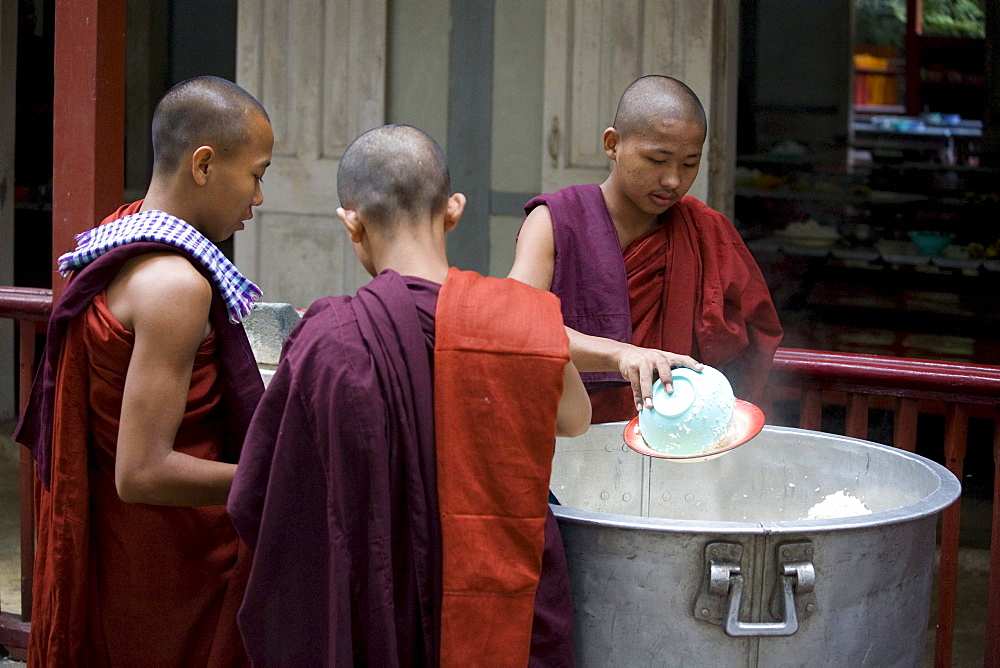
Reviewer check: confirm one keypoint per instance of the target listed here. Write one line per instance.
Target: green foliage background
(884, 21)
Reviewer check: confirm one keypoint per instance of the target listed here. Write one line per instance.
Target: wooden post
(811, 410)
(992, 655)
(904, 433)
(88, 157)
(27, 471)
(990, 148)
(856, 425)
(914, 29)
(956, 431)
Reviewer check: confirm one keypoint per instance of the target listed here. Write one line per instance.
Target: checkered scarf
(236, 290)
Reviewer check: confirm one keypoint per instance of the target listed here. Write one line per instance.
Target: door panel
(595, 48)
(318, 67)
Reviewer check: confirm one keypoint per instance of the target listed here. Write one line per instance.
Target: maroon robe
(689, 286)
(108, 572)
(341, 578)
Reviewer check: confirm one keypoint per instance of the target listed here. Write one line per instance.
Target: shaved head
(393, 174)
(652, 98)
(203, 111)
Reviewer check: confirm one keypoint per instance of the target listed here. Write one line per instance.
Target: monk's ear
(352, 223)
(612, 140)
(453, 211)
(200, 161)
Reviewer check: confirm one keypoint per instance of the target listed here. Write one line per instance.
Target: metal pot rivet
(735, 551)
(626, 497)
(689, 497)
(704, 612)
(810, 607)
(786, 553)
(604, 496)
(609, 447)
(666, 496)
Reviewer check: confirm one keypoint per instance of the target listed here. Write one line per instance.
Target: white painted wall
(518, 77)
(417, 76)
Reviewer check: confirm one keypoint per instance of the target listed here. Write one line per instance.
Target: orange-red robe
(495, 440)
(119, 584)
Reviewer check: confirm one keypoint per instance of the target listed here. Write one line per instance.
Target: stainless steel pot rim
(947, 491)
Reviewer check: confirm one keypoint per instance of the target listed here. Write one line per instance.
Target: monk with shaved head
(642, 269)
(394, 482)
(139, 410)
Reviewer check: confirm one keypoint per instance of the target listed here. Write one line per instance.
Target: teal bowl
(930, 243)
(692, 418)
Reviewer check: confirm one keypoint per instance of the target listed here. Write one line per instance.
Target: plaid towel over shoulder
(238, 292)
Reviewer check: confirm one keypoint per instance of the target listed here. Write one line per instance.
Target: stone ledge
(267, 327)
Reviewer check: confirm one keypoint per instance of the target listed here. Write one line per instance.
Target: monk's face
(655, 167)
(235, 186)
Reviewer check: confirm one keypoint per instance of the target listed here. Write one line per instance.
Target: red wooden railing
(909, 387)
(30, 309)
(812, 378)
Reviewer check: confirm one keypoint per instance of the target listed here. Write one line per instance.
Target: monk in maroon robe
(394, 483)
(139, 410)
(641, 269)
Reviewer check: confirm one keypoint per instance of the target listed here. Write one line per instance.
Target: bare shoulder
(537, 224)
(534, 257)
(158, 287)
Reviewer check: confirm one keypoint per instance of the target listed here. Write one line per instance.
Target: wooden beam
(88, 157)
(914, 28)
(990, 149)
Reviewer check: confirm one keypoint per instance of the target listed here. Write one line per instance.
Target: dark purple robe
(588, 275)
(337, 495)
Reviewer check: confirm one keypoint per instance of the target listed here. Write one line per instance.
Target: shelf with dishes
(857, 195)
(926, 250)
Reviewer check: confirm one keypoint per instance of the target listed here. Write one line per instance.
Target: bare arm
(534, 263)
(639, 366)
(165, 302)
(573, 418)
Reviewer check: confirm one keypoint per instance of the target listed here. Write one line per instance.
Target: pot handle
(797, 576)
(721, 594)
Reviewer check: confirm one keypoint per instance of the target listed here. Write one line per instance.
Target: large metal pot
(711, 563)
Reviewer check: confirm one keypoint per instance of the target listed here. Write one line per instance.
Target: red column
(88, 158)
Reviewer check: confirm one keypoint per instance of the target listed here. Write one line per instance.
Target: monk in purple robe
(642, 269)
(393, 486)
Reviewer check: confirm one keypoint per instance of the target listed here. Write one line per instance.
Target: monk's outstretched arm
(165, 301)
(534, 262)
(573, 417)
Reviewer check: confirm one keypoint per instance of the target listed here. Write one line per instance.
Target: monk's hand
(642, 366)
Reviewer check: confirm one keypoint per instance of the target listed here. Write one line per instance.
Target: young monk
(140, 407)
(394, 482)
(641, 269)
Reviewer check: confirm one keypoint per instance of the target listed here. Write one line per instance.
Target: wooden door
(318, 67)
(595, 48)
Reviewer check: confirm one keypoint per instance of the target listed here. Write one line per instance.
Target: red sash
(500, 349)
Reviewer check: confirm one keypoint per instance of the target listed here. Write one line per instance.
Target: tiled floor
(973, 563)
